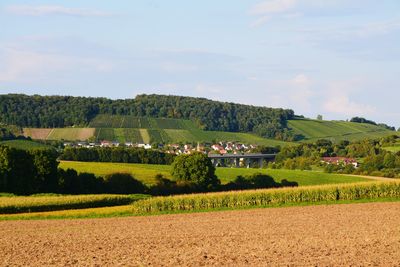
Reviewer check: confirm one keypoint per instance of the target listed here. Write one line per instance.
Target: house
(105, 143)
(340, 160)
(145, 146)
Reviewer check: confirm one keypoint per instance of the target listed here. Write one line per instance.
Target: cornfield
(268, 197)
(17, 204)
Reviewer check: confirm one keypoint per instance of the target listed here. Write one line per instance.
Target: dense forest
(65, 111)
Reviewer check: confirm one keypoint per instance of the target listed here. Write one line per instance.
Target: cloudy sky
(338, 58)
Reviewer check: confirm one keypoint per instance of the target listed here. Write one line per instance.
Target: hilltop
(170, 119)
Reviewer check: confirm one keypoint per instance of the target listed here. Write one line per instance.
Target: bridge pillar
(237, 162)
(260, 162)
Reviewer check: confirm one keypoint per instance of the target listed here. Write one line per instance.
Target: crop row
(119, 121)
(268, 197)
(19, 204)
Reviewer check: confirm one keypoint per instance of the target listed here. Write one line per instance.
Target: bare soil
(333, 235)
(37, 133)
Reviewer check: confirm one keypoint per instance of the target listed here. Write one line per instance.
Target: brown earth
(351, 234)
(37, 133)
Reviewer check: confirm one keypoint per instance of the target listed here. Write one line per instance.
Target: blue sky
(337, 58)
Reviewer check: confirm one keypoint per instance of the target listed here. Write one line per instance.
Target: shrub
(195, 169)
(123, 183)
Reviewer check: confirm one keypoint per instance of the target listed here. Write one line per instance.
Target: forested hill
(64, 111)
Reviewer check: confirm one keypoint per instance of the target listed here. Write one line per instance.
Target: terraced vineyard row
(336, 130)
(117, 121)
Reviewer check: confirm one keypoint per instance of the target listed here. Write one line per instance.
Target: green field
(119, 121)
(24, 144)
(147, 172)
(336, 130)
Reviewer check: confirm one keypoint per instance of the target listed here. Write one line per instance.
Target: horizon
(333, 58)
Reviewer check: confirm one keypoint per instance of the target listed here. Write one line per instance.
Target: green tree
(195, 169)
(46, 177)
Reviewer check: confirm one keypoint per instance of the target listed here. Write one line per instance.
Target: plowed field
(351, 234)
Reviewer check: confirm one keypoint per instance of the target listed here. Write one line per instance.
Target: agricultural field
(70, 134)
(25, 144)
(80, 134)
(269, 197)
(39, 203)
(324, 235)
(336, 130)
(119, 121)
(147, 172)
(150, 130)
(37, 133)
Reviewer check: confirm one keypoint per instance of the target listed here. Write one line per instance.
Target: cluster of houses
(105, 144)
(217, 148)
(340, 161)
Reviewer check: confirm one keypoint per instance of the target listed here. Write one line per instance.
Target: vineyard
(155, 130)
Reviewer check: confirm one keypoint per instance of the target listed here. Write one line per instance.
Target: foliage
(123, 183)
(195, 169)
(362, 120)
(117, 154)
(256, 180)
(268, 197)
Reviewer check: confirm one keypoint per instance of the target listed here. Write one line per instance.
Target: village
(177, 149)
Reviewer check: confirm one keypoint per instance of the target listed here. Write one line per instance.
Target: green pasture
(336, 130)
(24, 144)
(147, 172)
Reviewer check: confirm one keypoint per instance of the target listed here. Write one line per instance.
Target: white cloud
(338, 98)
(301, 80)
(341, 104)
(27, 10)
(26, 66)
(273, 6)
(267, 9)
(260, 21)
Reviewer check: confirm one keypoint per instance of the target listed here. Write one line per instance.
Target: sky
(337, 58)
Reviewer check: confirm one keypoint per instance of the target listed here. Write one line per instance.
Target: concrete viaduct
(220, 160)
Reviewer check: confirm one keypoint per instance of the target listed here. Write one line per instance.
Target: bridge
(222, 159)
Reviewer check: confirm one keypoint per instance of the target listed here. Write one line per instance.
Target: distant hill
(66, 111)
(169, 119)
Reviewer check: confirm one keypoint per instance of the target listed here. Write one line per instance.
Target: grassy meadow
(336, 130)
(147, 172)
(24, 144)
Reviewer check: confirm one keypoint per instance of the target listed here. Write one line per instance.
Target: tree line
(117, 154)
(66, 111)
